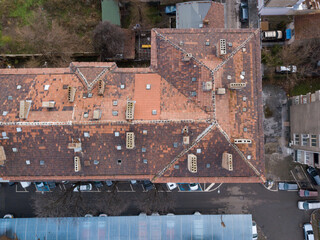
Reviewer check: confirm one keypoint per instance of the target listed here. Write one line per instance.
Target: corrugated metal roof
(191, 14)
(234, 227)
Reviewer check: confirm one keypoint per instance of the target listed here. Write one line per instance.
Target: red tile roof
(176, 93)
(215, 16)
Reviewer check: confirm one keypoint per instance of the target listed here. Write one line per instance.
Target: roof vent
(24, 109)
(227, 161)
(130, 110)
(2, 155)
(223, 47)
(221, 91)
(187, 57)
(207, 43)
(206, 22)
(242, 141)
(97, 114)
(76, 146)
(207, 86)
(101, 86)
(185, 129)
(129, 140)
(237, 85)
(71, 93)
(49, 104)
(77, 164)
(192, 163)
(181, 43)
(186, 140)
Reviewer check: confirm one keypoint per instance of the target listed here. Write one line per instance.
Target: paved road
(276, 213)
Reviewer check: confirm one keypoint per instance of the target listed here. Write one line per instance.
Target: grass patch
(306, 86)
(23, 11)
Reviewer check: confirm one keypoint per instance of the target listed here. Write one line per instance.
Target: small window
(116, 134)
(41, 162)
(313, 140)
(198, 150)
(18, 87)
(10, 98)
(122, 86)
(115, 103)
(193, 94)
(28, 162)
(86, 134)
(4, 113)
(118, 147)
(19, 129)
(175, 144)
(86, 115)
(95, 162)
(143, 150)
(154, 112)
(193, 79)
(4, 134)
(46, 87)
(208, 165)
(296, 139)
(14, 150)
(145, 161)
(144, 132)
(305, 139)
(176, 166)
(114, 113)
(148, 86)
(119, 161)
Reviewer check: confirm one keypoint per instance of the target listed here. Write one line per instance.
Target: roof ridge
(240, 153)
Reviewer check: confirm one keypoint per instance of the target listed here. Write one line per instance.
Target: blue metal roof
(234, 227)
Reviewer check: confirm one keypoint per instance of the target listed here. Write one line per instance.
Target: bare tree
(108, 40)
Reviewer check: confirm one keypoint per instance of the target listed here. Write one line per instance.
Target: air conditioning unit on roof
(187, 57)
(192, 163)
(207, 86)
(101, 86)
(223, 47)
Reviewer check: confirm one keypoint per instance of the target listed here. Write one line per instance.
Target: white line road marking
(307, 177)
(295, 178)
(18, 191)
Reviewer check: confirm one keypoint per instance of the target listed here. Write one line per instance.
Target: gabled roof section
(215, 16)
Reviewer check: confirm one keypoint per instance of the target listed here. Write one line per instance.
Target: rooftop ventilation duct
(76, 146)
(242, 141)
(237, 85)
(49, 104)
(130, 140)
(192, 163)
(2, 155)
(187, 57)
(24, 109)
(207, 86)
(97, 114)
(227, 161)
(223, 47)
(77, 164)
(221, 91)
(130, 110)
(101, 86)
(71, 93)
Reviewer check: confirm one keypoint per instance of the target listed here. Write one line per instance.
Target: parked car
(42, 186)
(88, 215)
(244, 12)
(25, 184)
(310, 204)
(288, 186)
(51, 185)
(308, 231)
(193, 186)
(286, 69)
(272, 35)
(172, 186)
(83, 187)
(314, 175)
(11, 183)
(308, 193)
(109, 183)
(133, 182)
(148, 185)
(8, 216)
(254, 231)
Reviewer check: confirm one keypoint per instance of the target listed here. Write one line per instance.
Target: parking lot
(126, 186)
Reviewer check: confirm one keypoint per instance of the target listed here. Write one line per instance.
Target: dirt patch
(278, 167)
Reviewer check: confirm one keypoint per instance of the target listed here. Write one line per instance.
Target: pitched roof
(173, 105)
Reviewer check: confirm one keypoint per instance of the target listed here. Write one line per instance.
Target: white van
(306, 205)
(272, 35)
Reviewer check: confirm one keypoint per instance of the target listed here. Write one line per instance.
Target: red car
(307, 193)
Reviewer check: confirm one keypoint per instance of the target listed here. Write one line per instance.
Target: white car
(25, 184)
(172, 186)
(254, 231)
(286, 69)
(8, 216)
(310, 204)
(308, 231)
(83, 187)
(193, 186)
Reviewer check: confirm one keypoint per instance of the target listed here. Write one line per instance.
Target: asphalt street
(276, 213)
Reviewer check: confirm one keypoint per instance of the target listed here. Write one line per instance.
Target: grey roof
(237, 227)
(191, 14)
